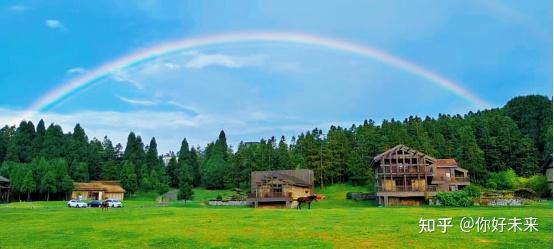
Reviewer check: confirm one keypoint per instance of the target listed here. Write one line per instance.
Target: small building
(97, 190)
(280, 187)
(405, 176)
(4, 189)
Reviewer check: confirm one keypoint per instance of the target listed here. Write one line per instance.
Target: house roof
(106, 186)
(404, 148)
(302, 177)
(4, 179)
(446, 163)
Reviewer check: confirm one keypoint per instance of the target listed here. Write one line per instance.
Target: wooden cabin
(280, 188)
(4, 189)
(97, 190)
(405, 176)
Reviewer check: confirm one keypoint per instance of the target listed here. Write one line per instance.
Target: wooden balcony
(405, 188)
(404, 169)
(444, 179)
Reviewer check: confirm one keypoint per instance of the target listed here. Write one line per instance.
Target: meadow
(331, 223)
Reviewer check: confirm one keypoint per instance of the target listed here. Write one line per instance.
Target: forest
(42, 161)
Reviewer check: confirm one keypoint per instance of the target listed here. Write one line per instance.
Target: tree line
(43, 162)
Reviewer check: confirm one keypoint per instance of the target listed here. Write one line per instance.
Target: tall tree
(48, 184)
(469, 155)
(28, 184)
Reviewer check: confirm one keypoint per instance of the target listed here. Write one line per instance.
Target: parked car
(76, 204)
(114, 203)
(95, 203)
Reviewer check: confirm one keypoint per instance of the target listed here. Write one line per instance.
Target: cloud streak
(55, 24)
(200, 61)
(142, 102)
(76, 70)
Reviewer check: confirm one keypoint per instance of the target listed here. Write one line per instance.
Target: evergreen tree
(185, 192)
(195, 167)
(80, 172)
(66, 185)
(128, 177)
(20, 149)
(28, 184)
(216, 164)
(172, 172)
(48, 184)
(469, 155)
(153, 163)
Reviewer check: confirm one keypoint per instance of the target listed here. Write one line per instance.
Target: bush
(455, 199)
(219, 198)
(504, 179)
(539, 184)
(348, 195)
(473, 191)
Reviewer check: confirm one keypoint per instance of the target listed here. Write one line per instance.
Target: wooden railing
(402, 188)
(268, 195)
(404, 169)
(451, 179)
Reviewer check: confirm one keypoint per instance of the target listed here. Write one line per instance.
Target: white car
(114, 203)
(76, 204)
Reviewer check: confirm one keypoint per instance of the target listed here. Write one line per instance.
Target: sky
(146, 81)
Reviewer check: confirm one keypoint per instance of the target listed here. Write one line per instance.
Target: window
(277, 188)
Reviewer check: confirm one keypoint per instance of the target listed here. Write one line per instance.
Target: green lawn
(333, 223)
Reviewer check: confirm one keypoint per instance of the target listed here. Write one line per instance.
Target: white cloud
(188, 108)
(18, 8)
(203, 60)
(143, 102)
(124, 76)
(55, 24)
(76, 70)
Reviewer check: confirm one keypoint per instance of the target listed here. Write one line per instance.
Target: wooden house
(97, 190)
(405, 176)
(280, 187)
(4, 189)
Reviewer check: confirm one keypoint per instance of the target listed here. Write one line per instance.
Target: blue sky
(494, 49)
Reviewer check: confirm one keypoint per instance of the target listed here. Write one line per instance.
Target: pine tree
(128, 177)
(185, 192)
(153, 163)
(195, 167)
(172, 172)
(80, 172)
(469, 155)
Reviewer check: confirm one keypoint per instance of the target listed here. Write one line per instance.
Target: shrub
(219, 198)
(504, 179)
(473, 191)
(455, 199)
(539, 184)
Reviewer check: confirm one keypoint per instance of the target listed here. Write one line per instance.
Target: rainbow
(74, 85)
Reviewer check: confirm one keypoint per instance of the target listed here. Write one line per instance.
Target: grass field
(333, 223)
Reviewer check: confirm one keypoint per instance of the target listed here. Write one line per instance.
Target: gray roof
(300, 177)
(404, 148)
(4, 179)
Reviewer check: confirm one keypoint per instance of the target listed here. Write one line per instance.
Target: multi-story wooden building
(280, 187)
(405, 176)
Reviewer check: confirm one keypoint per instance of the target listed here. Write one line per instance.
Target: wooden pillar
(405, 183)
